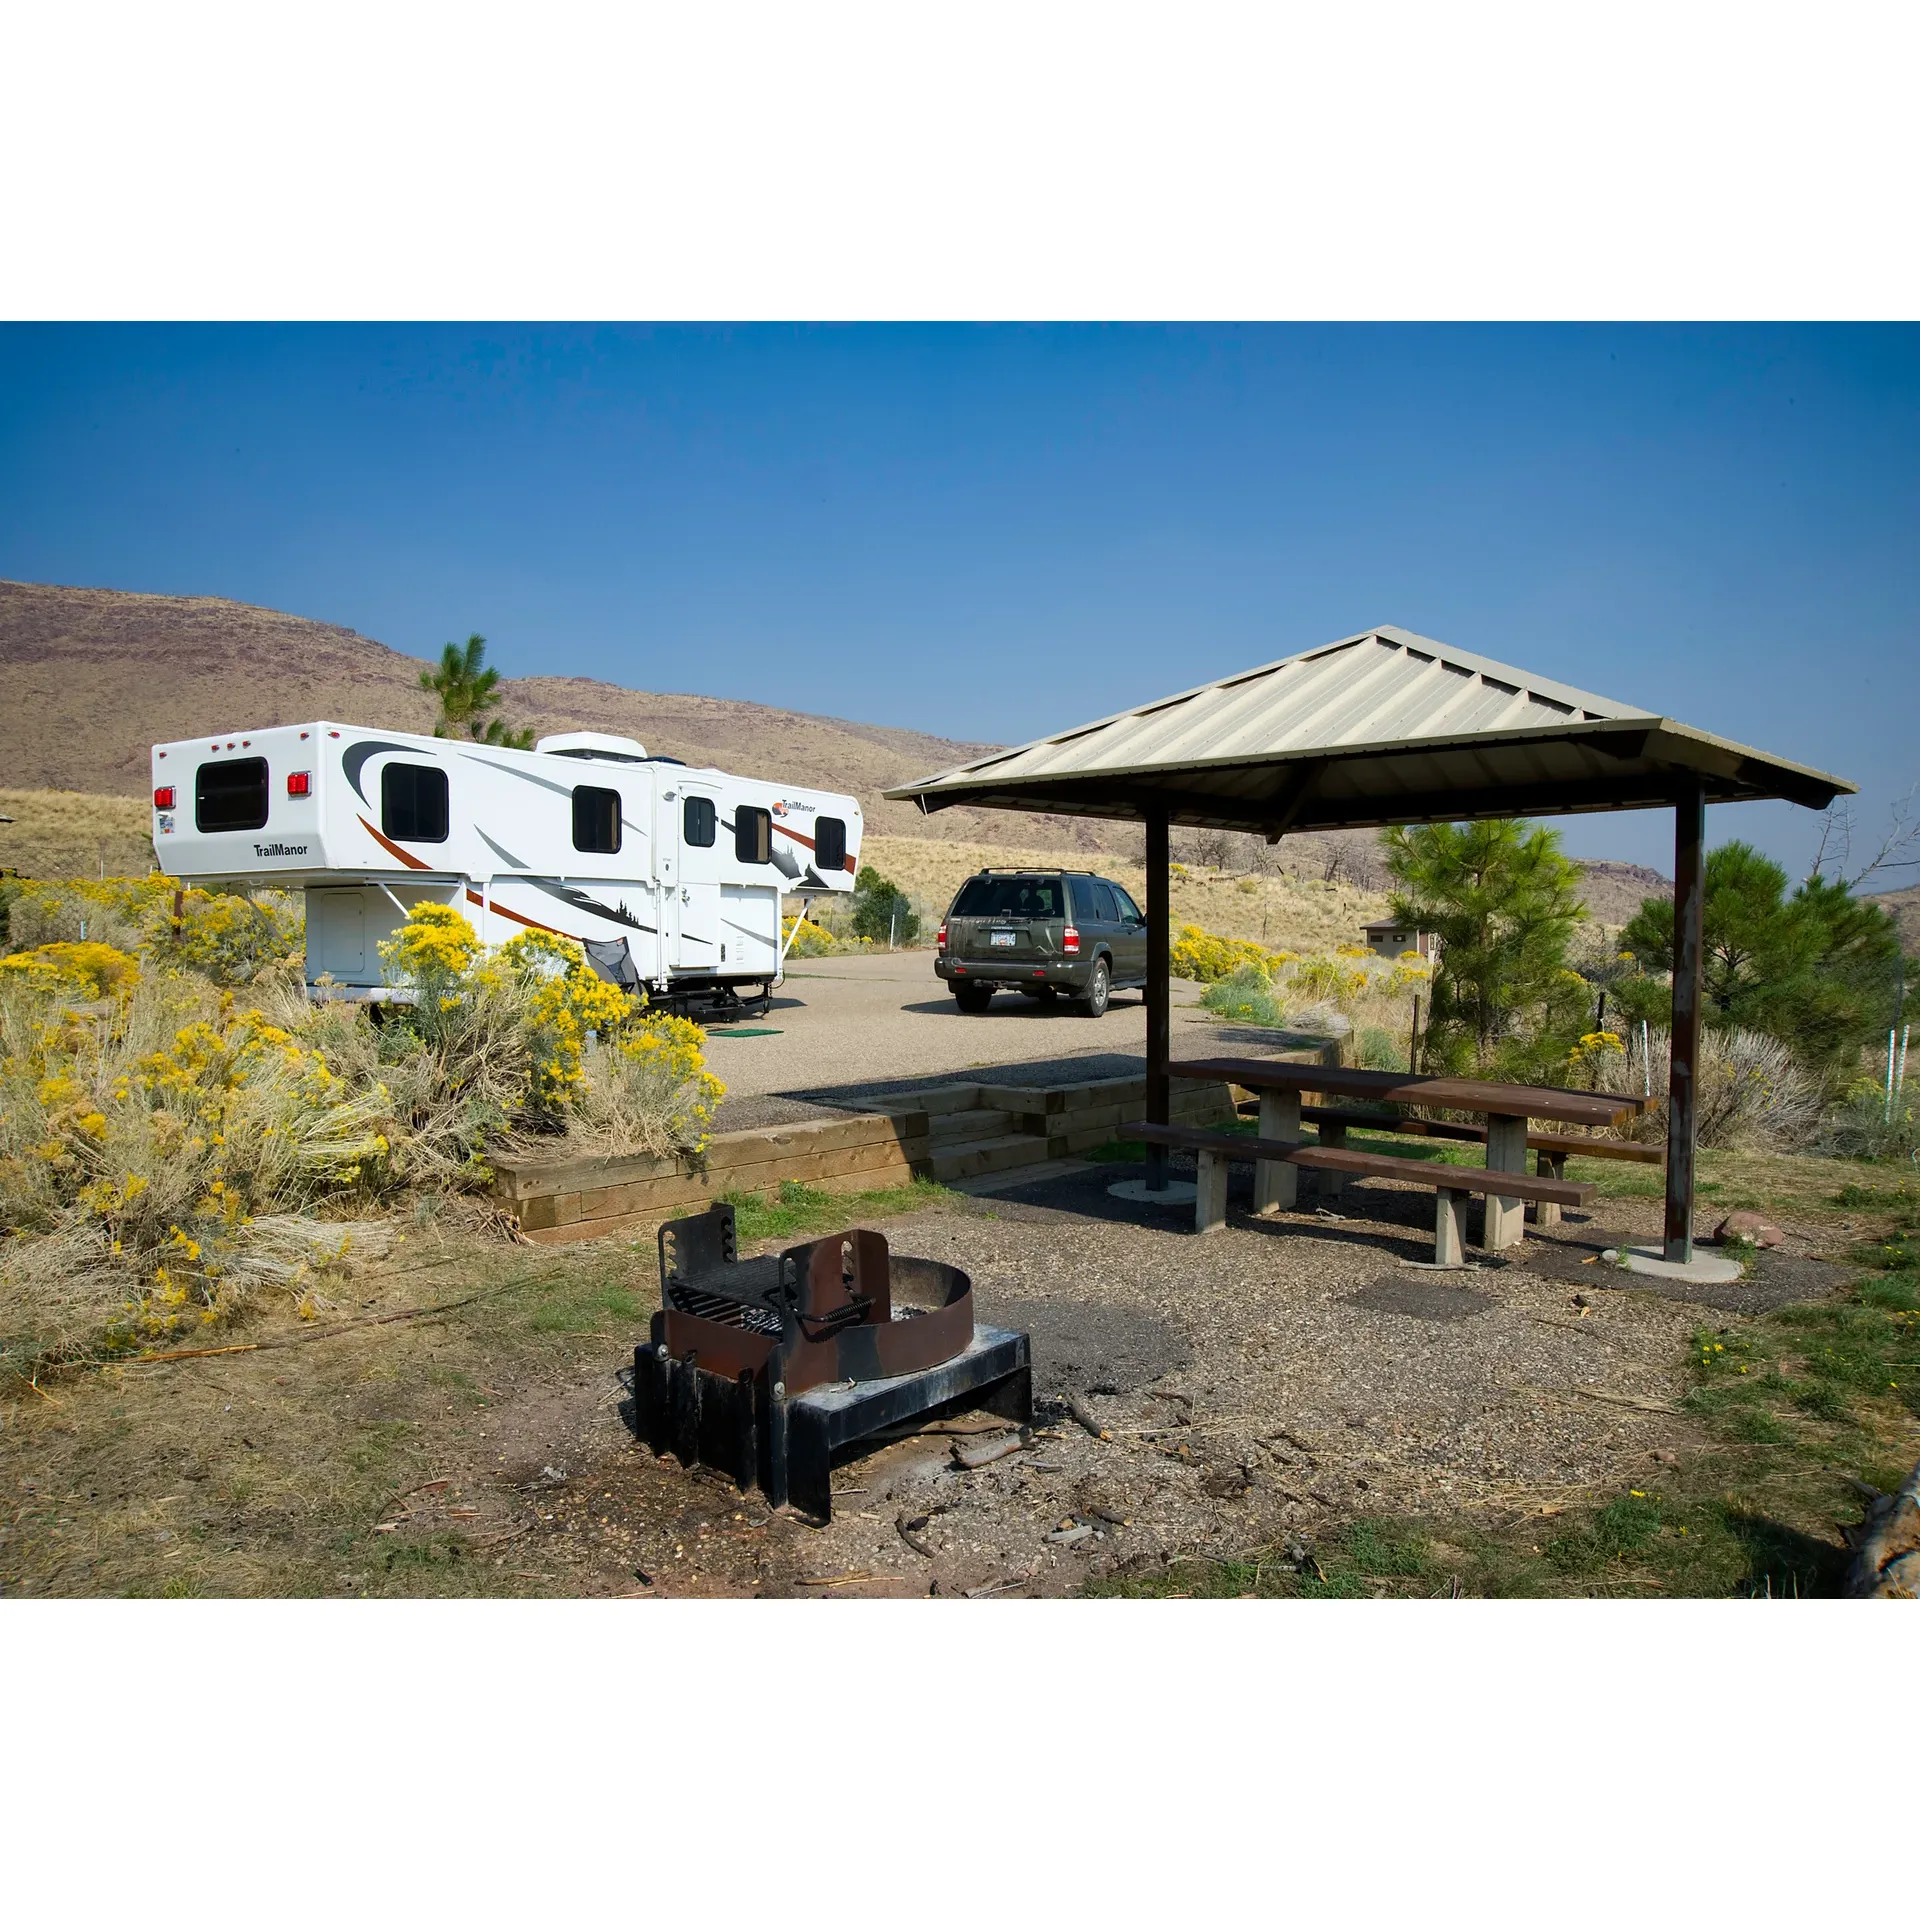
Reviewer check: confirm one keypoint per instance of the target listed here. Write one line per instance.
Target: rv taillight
(942, 943)
(163, 798)
(299, 785)
(1070, 940)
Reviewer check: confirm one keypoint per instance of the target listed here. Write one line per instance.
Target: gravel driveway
(850, 1028)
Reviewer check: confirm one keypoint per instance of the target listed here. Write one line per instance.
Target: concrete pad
(1176, 1193)
(1703, 1270)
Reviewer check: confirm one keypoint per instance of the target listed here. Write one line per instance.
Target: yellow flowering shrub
(506, 1031)
(230, 937)
(1585, 1056)
(154, 1149)
(649, 1092)
(1207, 957)
(568, 1001)
(81, 969)
(168, 1148)
(432, 950)
(810, 942)
(1327, 977)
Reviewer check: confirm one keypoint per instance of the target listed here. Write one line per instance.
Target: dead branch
(989, 1451)
(1897, 847)
(1083, 1418)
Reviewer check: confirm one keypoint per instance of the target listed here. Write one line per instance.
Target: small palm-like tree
(468, 691)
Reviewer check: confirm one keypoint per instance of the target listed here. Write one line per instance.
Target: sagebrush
(180, 1127)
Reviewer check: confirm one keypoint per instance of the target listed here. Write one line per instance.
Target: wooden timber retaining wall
(583, 1199)
(954, 1131)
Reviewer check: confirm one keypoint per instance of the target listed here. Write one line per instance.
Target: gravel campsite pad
(1278, 1381)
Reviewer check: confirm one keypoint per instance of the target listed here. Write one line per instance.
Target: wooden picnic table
(1508, 1109)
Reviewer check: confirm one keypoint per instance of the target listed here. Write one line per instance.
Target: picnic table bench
(1453, 1186)
(1550, 1151)
(1280, 1085)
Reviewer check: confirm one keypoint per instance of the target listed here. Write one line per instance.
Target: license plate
(1000, 939)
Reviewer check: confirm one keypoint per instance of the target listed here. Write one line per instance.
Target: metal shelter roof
(1380, 728)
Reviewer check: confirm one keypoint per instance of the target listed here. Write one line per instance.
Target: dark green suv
(1043, 933)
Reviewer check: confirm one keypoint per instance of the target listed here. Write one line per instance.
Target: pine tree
(468, 690)
(1817, 969)
(1504, 901)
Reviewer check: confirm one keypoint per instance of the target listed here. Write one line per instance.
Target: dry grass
(1750, 1093)
(1278, 910)
(74, 836)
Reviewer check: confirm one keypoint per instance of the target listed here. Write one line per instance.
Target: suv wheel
(972, 999)
(1093, 1003)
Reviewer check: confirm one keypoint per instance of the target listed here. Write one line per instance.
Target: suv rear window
(230, 796)
(1000, 896)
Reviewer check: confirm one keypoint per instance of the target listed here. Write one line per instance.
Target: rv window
(596, 820)
(413, 802)
(829, 846)
(696, 821)
(752, 836)
(230, 796)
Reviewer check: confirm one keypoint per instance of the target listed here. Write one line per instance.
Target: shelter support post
(1159, 973)
(1689, 895)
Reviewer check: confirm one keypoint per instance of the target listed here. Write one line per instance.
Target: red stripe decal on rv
(399, 853)
(505, 913)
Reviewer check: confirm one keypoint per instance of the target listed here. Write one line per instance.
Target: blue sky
(993, 533)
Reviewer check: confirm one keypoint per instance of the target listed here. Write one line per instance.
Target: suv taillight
(163, 798)
(1070, 940)
(943, 936)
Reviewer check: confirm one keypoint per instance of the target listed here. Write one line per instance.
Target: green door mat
(742, 1033)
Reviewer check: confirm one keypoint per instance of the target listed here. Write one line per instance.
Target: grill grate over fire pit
(765, 1368)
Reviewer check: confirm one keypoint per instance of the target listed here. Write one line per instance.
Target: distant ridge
(92, 677)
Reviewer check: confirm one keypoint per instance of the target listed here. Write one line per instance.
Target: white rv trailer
(669, 876)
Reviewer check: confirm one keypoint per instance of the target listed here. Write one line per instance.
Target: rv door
(703, 842)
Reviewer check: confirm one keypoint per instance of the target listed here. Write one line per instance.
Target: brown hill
(1614, 889)
(1905, 908)
(94, 677)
